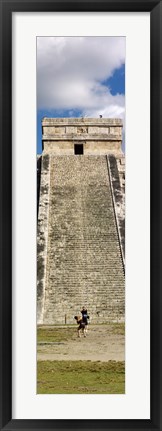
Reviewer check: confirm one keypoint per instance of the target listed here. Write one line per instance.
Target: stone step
(84, 265)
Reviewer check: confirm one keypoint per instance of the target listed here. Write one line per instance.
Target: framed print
(80, 121)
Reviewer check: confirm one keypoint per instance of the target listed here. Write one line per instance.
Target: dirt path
(101, 344)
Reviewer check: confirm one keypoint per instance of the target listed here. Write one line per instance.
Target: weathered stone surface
(118, 195)
(93, 146)
(81, 121)
(107, 133)
(39, 158)
(84, 264)
(81, 221)
(54, 130)
(42, 235)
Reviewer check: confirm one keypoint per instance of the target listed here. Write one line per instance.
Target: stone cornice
(81, 137)
(80, 121)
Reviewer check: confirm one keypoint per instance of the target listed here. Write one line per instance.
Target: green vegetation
(116, 328)
(55, 334)
(80, 377)
(68, 332)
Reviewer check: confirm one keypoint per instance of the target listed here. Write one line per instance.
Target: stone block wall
(81, 221)
(42, 235)
(84, 264)
(118, 196)
(98, 136)
(39, 158)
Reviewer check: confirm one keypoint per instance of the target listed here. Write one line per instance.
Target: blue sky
(80, 76)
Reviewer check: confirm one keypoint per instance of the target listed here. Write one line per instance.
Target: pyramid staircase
(84, 264)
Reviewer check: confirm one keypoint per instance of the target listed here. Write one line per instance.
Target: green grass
(80, 377)
(56, 334)
(116, 328)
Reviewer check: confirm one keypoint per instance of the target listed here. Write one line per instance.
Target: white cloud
(71, 71)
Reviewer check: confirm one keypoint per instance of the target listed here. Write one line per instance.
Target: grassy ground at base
(56, 334)
(80, 377)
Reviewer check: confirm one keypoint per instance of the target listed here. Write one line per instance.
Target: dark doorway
(78, 149)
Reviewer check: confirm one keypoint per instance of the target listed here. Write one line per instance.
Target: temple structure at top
(69, 136)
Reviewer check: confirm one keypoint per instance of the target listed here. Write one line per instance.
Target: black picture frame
(6, 9)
